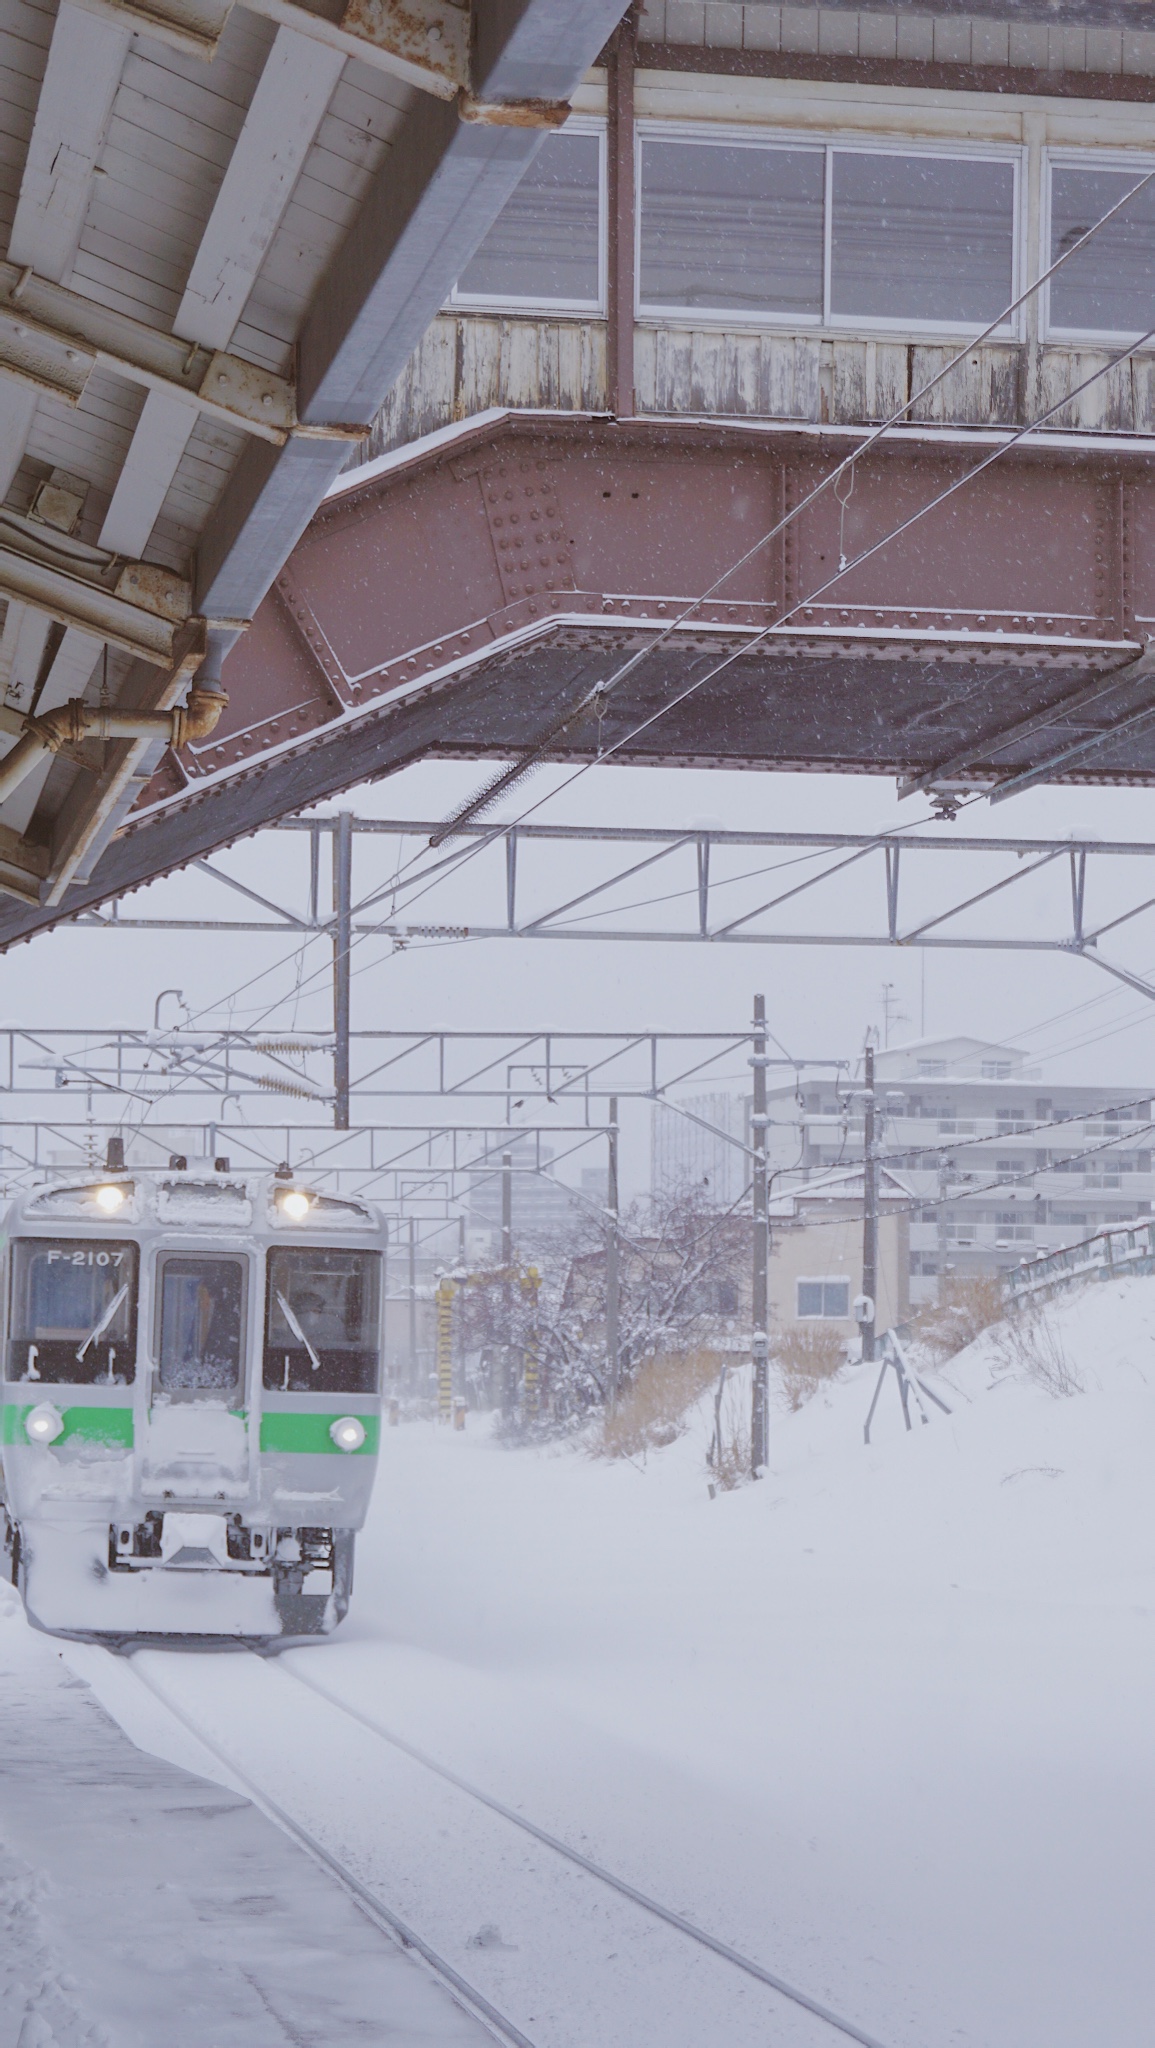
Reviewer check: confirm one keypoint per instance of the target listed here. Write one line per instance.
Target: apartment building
(997, 1161)
(1001, 1161)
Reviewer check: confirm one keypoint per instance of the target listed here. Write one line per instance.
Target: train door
(196, 1439)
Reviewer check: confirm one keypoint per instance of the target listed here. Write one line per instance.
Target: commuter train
(191, 1415)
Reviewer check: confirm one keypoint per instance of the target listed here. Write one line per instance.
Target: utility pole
(412, 1304)
(613, 1256)
(342, 940)
(445, 1293)
(869, 1208)
(507, 1391)
(760, 1344)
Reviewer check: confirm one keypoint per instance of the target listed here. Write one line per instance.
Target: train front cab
(191, 1413)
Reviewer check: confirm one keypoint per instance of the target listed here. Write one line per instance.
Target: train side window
(322, 1317)
(201, 1346)
(72, 1319)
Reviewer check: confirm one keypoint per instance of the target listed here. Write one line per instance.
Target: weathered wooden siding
(467, 363)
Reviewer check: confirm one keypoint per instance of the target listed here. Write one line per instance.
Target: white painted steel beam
(85, 61)
(285, 112)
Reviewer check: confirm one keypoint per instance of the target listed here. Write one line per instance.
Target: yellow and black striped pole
(445, 1291)
(530, 1282)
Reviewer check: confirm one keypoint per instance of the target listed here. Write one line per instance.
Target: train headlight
(44, 1423)
(296, 1204)
(110, 1198)
(348, 1432)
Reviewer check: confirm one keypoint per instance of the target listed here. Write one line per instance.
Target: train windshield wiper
(98, 1329)
(297, 1331)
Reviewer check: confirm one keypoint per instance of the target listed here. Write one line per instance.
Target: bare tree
(682, 1276)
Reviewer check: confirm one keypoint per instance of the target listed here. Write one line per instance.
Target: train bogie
(191, 1410)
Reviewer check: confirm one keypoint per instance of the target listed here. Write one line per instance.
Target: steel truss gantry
(703, 886)
(538, 1071)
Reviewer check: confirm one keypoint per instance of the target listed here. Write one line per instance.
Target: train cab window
(201, 1343)
(73, 1312)
(322, 1320)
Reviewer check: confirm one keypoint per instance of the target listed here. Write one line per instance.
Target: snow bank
(882, 1719)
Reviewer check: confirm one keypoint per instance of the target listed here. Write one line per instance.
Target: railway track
(389, 1922)
(503, 2028)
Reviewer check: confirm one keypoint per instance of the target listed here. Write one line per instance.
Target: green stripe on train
(88, 1425)
(291, 1430)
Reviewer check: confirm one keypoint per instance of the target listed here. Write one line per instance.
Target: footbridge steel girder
(467, 594)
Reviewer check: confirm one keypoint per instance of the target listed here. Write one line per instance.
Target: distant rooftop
(969, 1059)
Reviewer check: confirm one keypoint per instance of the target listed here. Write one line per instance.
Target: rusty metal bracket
(515, 113)
(425, 42)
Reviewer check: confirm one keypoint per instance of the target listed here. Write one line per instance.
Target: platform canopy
(226, 226)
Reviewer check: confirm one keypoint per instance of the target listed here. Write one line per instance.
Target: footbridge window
(545, 250)
(1106, 290)
(731, 227)
(740, 228)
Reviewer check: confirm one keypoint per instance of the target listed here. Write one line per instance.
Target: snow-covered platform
(141, 1905)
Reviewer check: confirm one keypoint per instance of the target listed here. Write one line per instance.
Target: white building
(1000, 1162)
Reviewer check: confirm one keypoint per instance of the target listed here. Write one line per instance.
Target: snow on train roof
(213, 1201)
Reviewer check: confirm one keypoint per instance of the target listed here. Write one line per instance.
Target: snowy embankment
(882, 1721)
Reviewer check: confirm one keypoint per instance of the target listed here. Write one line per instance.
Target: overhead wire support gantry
(701, 887)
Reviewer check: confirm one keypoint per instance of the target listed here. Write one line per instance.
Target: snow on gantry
(190, 1409)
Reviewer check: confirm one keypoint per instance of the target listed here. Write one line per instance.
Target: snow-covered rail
(278, 1673)
(390, 1923)
(1127, 1248)
(587, 1863)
